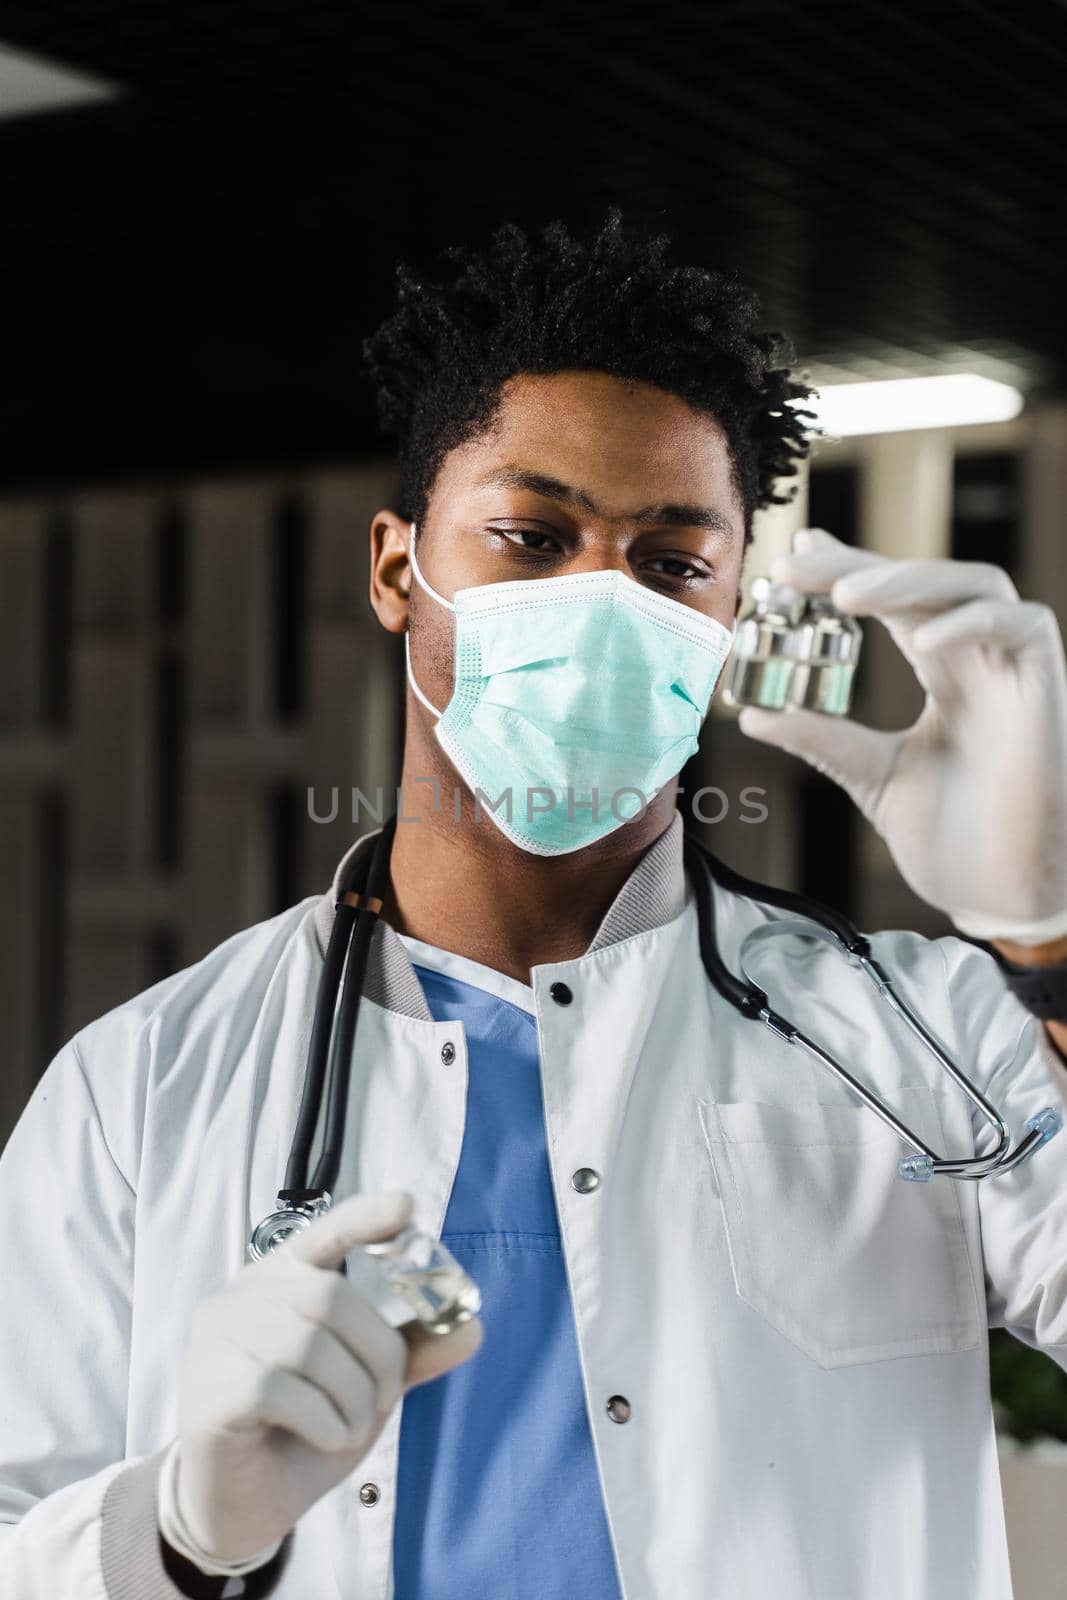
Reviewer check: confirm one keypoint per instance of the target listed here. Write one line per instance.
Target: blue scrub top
(498, 1492)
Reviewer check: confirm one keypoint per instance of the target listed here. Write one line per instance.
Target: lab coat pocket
(841, 1256)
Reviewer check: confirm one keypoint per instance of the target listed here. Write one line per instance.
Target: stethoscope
(358, 904)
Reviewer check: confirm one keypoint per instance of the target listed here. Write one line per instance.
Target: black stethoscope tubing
(706, 869)
(345, 964)
(359, 901)
(334, 1026)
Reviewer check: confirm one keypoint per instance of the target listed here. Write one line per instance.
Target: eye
(676, 569)
(536, 540)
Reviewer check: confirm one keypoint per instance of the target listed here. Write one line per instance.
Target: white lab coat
(801, 1336)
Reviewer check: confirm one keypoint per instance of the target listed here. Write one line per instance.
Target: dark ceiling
(190, 269)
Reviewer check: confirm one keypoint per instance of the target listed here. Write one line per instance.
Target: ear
(390, 570)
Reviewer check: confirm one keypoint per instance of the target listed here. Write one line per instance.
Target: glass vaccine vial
(427, 1277)
(826, 647)
(414, 1266)
(760, 666)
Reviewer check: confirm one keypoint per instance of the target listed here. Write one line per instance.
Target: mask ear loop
(418, 576)
(432, 592)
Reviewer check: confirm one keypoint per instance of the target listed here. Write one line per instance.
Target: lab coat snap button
(561, 994)
(585, 1180)
(448, 1053)
(619, 1408)
(368, 1493)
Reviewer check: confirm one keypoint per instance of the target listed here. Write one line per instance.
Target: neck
(465, 887)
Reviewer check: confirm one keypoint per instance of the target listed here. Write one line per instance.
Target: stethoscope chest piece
(292, 1216)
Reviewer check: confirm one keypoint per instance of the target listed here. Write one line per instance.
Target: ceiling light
(954, 400)
(30, 84)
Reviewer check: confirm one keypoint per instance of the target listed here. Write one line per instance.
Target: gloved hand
(290, 1375)
(972, 798)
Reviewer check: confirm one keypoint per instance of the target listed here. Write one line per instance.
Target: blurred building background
(198, 710)
(203, 209)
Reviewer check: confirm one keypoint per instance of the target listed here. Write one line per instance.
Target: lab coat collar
(652, 896)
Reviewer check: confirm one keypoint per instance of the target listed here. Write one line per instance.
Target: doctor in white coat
(782, 1347)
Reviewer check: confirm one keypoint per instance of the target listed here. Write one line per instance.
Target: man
(723, 1349)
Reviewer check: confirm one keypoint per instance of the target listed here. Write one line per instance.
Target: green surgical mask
(574, 700)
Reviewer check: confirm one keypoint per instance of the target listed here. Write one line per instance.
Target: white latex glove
(290, 1375)
(972, 798)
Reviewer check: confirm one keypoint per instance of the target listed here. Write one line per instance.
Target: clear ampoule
(826, 648)
(423, 1273)
(761, 662)
(417, 1268)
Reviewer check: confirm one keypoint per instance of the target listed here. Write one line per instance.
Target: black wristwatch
(1042, 990)
(189, 1580)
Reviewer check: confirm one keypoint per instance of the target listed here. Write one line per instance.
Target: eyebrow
(678, 516)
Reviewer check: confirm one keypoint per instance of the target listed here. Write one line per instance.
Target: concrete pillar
(906, 513)
(355, 671)
(113, 747)
(226, 876)
(1043, 569)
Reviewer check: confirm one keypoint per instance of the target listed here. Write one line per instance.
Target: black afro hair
(614, 304)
